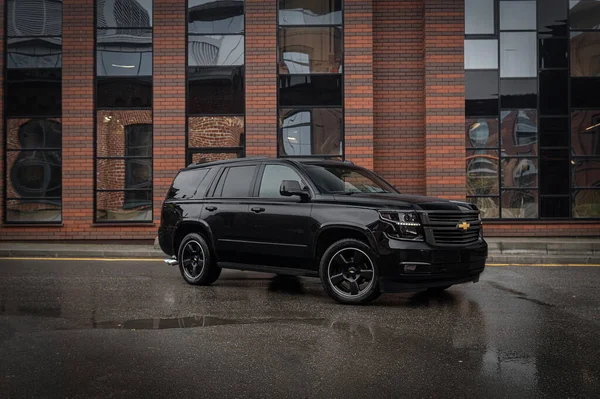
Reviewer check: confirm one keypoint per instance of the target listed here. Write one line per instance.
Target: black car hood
(402, 201)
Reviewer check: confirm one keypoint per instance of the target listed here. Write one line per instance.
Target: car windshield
(338, 179)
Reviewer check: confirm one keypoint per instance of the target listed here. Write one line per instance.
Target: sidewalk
(501, 250)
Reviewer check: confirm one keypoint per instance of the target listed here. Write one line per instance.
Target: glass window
(519, 173)
(317, 131)
(346, 179)
(33, 92)
(272, 178)
(585, 133)
(216, 91)
(481, 92)
(553, 53)
(116, 206)
(518, 55)
(186, 183)
(124, 92)
(34, 52)
(489, 206)
(310, 12)
(125, 54)
(584, 14)
(586, 203)
(34, 174)
(482, 172)
(584, 93)
(481, 54)
(585, 54)
(554, 92)
(215, 50)
(34, 18)
(554, 132)
(586, 173)
(215, 131)
(307, 90)
(26, 133)
(114, 127)
(519, 132)
(554, 168)
(479, 17)
(237, 182)
(552, 17)
(481, 133)
(518, 93)
(554, 207)
(519, 204)
(205, 157)
(33, 211)
(310, 50)
(518, 15)
(215, 16)
(124, 13)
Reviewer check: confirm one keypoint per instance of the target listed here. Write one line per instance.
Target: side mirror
(290, 188)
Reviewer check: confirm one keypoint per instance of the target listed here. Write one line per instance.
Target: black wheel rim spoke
(337, 279)
(351, 272)
(367, 274)
(193, 259)
(354, 288)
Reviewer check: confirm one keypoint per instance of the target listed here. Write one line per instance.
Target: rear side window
(186, 183)
(235, 182)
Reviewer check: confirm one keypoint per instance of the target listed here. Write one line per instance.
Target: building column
(358, 81)
(444, 99)
(261, 78)
(170, 46)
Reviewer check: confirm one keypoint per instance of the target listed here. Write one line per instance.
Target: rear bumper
(165, 240)
(416, 266)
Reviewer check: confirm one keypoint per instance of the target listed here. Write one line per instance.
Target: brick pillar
(170, 46)
(444, 99)
(78, 114)
(399, 106)
(261, 78)
(358, 81)
(2, 132)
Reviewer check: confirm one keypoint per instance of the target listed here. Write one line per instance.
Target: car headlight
(406, 224)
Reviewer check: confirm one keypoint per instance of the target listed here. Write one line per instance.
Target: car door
(282, 232)
(226, 211)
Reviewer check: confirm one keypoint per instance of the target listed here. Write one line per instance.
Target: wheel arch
(193, 226)
(332, 233)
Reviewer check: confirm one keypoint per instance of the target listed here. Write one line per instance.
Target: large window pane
(124, 13)
(124, 133)
(116, 206)
(204, 157)
(489, 206)
(215, 50)
(518, 93)
(310, 50)
(310, 12)
(552, 17)
(554, 132)
(519, 204)
(479, 17)
(33, 174)
(316, 131)
(519, 132)
(272, 177)
(33, 92)
(553, 53)
(121, 174)
(481, 93)
(482, 172)
(481, 54)
(585, 133)
(33, 211)
(122, 93)
(584, 92)
(40, 52)
(215, 131)
(216, 90)
(554, 172)
(307, 90)
(34, 18)
(585, 53)
(517, 15)
(519, 173)
(125, 54)
(584, 14)
(586, 173)
(554, 92)
(215, 16)
(586, 203)
(554, 207)
(518, 55)
(32, 134)
(481, 133)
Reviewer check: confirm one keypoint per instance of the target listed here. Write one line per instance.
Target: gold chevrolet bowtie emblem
(463, 226)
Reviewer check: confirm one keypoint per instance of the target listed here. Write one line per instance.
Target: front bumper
(414, 266)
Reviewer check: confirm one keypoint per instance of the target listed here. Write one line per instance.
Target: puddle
(191, 322)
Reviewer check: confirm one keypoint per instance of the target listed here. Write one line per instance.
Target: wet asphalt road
(135, 329)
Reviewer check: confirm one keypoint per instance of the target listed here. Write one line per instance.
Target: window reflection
(482, 133)
(482, 172)
(125, 54)
(310, 12)
(585, 53)
(215, 131)
(519, 173)
(216, 50)
(215, 16)
(34, 18)
(479, 17)
(519, 204)
(216, 90)
(586, 203)
(311, 132)
(585, 133)
(584, 14)
(519, 132)
(489, 206)
(25, 53)
(124, 13)
(310, 50)
(34, 174)
(586, 173)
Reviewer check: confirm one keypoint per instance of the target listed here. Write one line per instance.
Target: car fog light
(410, 268)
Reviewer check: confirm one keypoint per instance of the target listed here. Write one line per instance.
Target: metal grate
(445, 231)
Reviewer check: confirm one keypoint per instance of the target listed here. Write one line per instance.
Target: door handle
(257, 210)
(211, 208)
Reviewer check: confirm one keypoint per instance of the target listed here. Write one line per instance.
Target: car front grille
(442, 228)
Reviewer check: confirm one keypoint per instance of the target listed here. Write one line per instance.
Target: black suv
(327, 219)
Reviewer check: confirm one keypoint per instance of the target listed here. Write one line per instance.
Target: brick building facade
(123, 135)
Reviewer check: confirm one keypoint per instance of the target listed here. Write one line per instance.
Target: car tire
(195, 261)
(349, 272)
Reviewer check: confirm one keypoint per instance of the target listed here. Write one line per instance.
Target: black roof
(308, 161)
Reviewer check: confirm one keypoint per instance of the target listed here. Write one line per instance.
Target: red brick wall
(399, 107)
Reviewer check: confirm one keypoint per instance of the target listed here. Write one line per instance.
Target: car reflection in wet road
(132, 329)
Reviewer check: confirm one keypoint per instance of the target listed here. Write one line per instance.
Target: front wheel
(195, 263)
(349, 272)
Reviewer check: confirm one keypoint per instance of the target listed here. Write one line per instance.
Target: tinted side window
(272, 178)
(237, 182)
(186, 183)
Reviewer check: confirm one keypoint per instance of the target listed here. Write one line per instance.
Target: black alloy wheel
(195, 261)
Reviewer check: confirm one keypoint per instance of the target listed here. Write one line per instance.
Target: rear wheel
(349, 272)
(195, 263)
